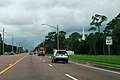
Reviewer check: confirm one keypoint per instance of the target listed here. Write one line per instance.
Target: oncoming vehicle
(30, 53)
(41, 51)
(60, 55)
(11, 53)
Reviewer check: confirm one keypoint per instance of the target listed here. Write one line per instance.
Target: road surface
(33, 67)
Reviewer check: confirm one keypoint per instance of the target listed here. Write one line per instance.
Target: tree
(26, 50)
(50, 42)
(112, 25)
(113, 29)
(91, 42)
(97, 20)
(74, 40)
(62, 40)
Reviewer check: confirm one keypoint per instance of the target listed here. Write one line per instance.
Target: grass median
(111, 61)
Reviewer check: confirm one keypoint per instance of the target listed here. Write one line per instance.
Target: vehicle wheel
(66, 61)
(54, 61)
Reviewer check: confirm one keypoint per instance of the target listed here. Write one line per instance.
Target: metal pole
(12, 43)
(57, 33)
(3, 41)
(43, 43)
(109, 49)
(16, 48)
(57, 37)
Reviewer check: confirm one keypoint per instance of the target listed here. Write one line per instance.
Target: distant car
(60, 55)
(35, 53)
(11, 53)
(30, 53)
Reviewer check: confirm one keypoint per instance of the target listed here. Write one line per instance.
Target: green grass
(112, 61)
(48, 54)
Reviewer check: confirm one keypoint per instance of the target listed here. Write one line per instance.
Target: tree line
(94, 44)
(8, 48)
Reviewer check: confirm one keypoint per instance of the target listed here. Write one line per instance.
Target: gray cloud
(23, 18)
(5, 2)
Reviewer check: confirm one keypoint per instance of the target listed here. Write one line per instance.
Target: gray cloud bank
(23, 18)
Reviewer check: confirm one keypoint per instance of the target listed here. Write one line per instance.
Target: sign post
(109, 42)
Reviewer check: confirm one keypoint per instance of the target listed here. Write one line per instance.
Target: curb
(97, 65)
(108, 68)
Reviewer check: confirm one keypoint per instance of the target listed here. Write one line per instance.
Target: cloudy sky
(23, 18)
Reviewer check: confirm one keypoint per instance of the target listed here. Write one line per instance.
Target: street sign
(109, 40)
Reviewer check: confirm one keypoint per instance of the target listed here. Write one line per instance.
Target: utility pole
(16, 48)
(57, 34)
(12, 43)
(3, 41)
(19, 51)
(43, 43)
(57, 37)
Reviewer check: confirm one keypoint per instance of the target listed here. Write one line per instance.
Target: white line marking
(97, 68)
(43, 60)
(71, 77)
(50, 65)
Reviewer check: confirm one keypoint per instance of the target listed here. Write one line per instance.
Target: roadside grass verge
(48, 54)
(111, 61)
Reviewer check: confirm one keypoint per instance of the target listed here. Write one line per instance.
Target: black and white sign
(108, 40)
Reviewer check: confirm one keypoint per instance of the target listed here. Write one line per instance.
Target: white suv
(60, 55)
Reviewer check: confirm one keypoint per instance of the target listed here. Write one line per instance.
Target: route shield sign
(108, 40)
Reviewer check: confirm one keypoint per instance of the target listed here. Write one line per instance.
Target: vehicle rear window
(61, 52)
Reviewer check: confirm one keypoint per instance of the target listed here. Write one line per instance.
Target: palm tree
(97, 20)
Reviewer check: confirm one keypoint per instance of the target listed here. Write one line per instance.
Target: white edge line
(97, 68)
(50, 65)
(71, 77)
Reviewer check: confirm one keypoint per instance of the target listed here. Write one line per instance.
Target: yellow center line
(11, 65)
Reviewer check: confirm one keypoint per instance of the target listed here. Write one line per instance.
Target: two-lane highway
(33, 67)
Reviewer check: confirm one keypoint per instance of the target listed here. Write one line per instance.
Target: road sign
(108, 40)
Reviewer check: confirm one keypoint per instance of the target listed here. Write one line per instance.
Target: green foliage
(26, 50)
(94, 44)
(97, 20)
(74, 41)
(7, 48)
(50, 42)
(113, 29)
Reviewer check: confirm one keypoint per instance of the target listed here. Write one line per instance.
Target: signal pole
(57, 37)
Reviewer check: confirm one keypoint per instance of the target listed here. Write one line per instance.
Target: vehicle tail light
(66, 54)
(57, 54)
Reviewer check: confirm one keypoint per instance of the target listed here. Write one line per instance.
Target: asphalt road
(33, 67)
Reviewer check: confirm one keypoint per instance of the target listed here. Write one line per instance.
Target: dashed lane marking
(50, 65)
(43, 60)
(73, 78)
